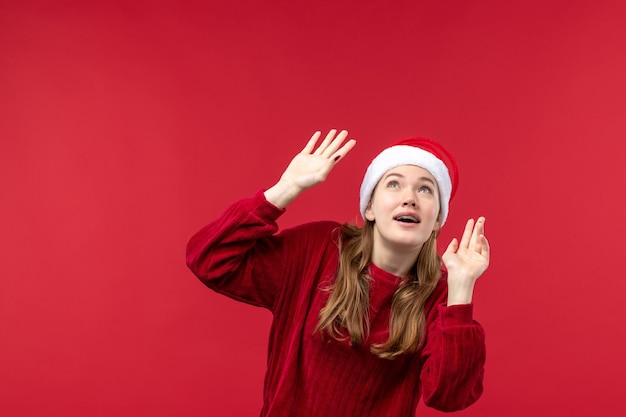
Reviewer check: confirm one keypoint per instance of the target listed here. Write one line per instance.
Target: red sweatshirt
(241, 255)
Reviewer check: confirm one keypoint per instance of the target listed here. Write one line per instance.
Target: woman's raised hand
(310, 167)
(466, 261)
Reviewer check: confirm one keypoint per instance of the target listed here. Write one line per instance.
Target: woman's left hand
(466, 261)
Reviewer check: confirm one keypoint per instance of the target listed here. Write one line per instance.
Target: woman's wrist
(459, 293)
(282, 193)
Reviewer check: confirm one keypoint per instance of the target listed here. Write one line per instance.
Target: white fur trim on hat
(396, 156)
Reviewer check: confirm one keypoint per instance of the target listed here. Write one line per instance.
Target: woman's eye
(426, 190)
(393, 184)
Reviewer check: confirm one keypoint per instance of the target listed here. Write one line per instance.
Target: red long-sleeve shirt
(242, 255)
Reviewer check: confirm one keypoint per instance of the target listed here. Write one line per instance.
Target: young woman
(365, 319)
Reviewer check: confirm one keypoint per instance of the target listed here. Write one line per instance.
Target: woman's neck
(394, 261)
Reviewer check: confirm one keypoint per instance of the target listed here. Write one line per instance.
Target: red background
(125, 127)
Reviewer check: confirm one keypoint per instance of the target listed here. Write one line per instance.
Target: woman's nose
(409, 202)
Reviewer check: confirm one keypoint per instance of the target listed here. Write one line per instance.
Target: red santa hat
(422, 152)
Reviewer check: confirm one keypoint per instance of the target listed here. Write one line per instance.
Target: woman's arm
(238, 254)
(454, 353)
(453, 357)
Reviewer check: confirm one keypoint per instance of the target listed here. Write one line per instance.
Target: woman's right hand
(310, 167)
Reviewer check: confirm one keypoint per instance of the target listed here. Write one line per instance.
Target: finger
(335, 144)
(343, 151)
(467, 233)
(311, 143)
(479, 229)
(450, 252)
(328, 139)
(486, 251)
(452, 247)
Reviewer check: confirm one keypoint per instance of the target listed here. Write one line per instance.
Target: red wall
(125, 126)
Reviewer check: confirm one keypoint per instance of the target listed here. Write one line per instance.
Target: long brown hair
(348, 304)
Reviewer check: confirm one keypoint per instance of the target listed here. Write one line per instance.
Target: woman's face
(404, 208)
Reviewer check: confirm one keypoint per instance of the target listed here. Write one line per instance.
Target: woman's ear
(437, 228)
(369, 214)
(437, 225)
